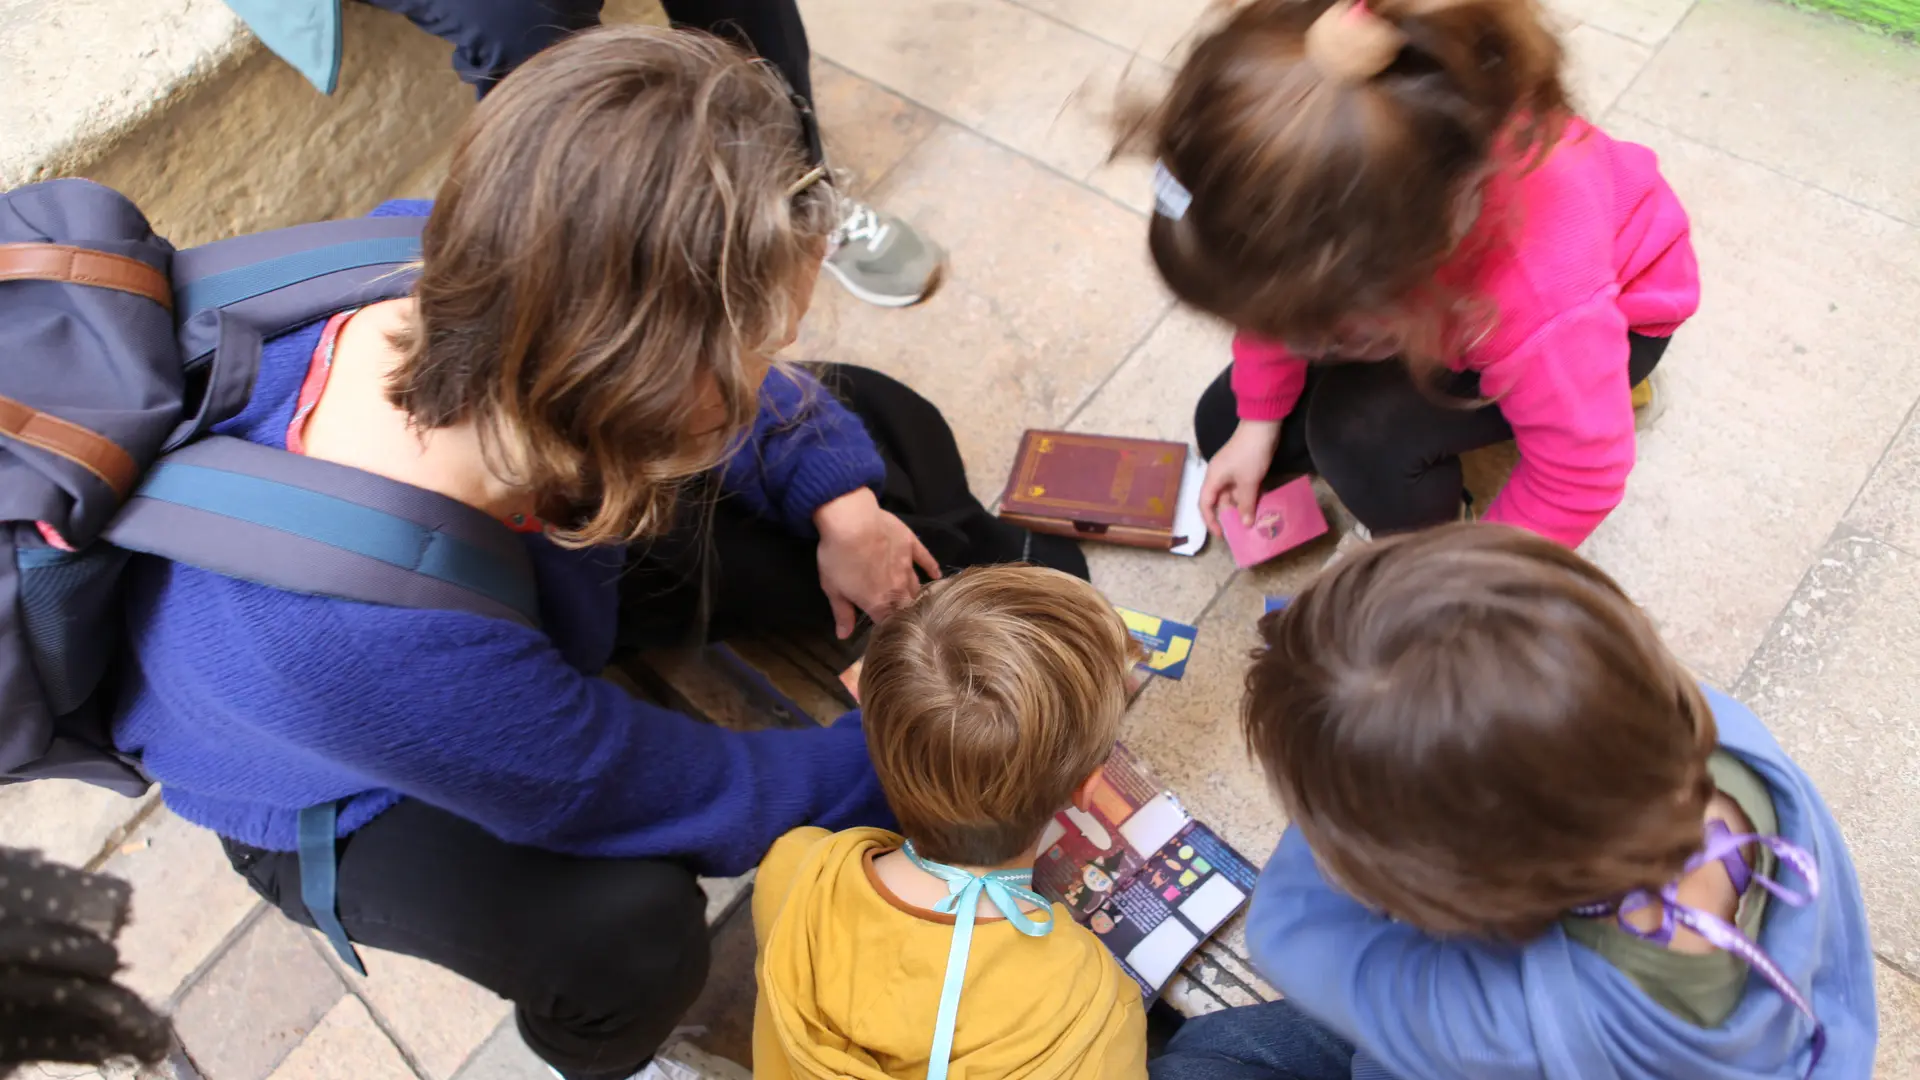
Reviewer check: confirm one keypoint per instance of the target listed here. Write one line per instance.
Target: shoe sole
(1646, 416)
(887, 300)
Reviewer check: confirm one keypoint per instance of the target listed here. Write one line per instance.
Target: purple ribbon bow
(1724, 846)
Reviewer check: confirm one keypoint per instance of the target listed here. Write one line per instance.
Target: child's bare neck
(921, 890)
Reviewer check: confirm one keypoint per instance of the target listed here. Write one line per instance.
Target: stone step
(176, 104)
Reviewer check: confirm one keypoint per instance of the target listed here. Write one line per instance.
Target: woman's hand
(867, 558)
(1234, 474)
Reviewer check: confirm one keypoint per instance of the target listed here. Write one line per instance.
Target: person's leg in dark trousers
(1272, 1041)
(724, 573)
(879, 257)
(490, 38)
(1390, 451)
(599, 956)
(771, 30)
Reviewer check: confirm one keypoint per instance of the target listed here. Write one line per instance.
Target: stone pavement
(1772, 527)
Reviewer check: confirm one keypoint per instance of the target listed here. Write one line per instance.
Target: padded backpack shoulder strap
(233, 295)
(277, 280)
(316, 527)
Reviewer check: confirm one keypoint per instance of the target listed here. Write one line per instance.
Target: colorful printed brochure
(1136, 869)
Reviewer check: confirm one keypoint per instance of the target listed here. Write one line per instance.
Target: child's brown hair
(622, 239)
(1334, 152)
(1475, 730)
(988, 702)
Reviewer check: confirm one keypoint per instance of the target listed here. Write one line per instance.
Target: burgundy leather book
(1096, 487)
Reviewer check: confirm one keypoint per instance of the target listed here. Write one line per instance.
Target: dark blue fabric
(491, 38)
(1272, 1041)
(249, 703)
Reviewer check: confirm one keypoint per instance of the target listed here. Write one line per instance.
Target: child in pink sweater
(1406, 182)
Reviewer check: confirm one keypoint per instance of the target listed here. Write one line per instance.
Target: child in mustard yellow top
(990, 704)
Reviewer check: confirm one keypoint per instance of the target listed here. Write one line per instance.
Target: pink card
(1285, 518)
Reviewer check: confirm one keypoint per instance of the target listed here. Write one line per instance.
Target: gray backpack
(119, 354)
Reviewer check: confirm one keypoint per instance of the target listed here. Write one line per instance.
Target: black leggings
(492, 37)
(755, 578)
(599, 956)
(1391, 452)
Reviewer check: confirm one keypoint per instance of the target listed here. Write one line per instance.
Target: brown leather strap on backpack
(84, 266)
(97, 454)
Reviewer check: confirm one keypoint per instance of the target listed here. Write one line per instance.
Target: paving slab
(1213, 970)
(1005, 71)
(1229, 945)
(1048, 286)
(1781, 396)
(261, 998)
(1838, 681)
(1154, 29)
(1601, 65)
(504, 1056)
(347, 1045)
(1888, 506)
(65, 820)
(1899, 1000)
(1150, 396)
(1807, 94)
(721, 1019)
(1188, 732)
(867, 129)
(186, 901)
(724, 893)
(438, 1018)
(1645, 21)
(1190, 996)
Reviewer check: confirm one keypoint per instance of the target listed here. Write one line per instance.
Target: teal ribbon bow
(1004, 889)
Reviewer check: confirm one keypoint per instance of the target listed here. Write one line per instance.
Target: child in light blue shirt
(1526, 844)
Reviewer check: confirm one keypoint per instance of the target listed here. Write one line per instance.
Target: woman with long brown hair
(628, 233)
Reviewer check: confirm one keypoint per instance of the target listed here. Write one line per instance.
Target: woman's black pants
(492, 37)
(599, 956)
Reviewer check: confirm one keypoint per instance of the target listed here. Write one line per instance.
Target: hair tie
(1349, 43)
(1170, 197)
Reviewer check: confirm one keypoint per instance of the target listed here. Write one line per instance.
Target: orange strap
(84, 266)
(97, 454)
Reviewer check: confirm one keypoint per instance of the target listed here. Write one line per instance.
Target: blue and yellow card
(1168, 643)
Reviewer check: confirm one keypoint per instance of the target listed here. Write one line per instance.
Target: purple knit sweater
(248, 703)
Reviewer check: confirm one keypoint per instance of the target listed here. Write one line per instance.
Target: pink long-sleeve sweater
(1597, 245)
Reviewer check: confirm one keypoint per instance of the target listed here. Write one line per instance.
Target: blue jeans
(1271, 1041)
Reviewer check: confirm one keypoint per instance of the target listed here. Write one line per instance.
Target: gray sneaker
(881, 259)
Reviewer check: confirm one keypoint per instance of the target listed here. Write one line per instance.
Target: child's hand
(1234, 474)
